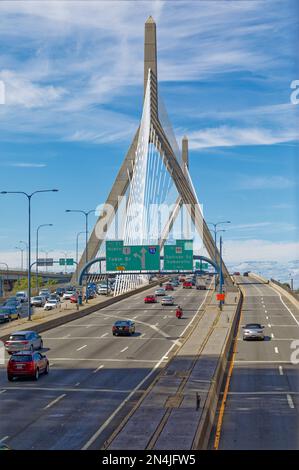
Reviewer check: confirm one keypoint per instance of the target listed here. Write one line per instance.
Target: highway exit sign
(120, 257)
(179, 257)
(66, 261)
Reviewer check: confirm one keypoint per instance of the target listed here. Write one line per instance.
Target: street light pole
(5, 264)
(215, 239)
(37, 233)
(29, 197)
(86, 228)
(26, 245)
(21, 250)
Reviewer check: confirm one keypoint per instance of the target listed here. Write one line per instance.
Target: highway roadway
(94, 378)
(262, 406)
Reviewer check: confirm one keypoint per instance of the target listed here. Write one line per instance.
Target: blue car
(8, 313)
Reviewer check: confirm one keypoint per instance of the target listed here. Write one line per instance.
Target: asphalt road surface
(95, 378)
(262, 406)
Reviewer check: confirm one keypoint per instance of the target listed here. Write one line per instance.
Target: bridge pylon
(150, 155)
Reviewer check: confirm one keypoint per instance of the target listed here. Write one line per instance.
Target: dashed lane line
(280, 370)
(290, 401)
(82, 347)
(98, 368)
(123, 350)
(54, 401)
(276, 350)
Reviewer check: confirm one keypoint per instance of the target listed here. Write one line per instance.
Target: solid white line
(2, 391)
(280, 370)
(288, 310)
(290, 401)
(51, 364)
(54, 401)
(4, 439)
(123, 350)
(100, 367)
(105, 334)
(122, 404)
(82, 347)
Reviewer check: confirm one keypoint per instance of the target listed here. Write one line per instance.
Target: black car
(123, 327)
(60, 291)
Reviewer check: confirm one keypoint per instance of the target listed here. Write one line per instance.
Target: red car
(74, 299)
(150, 299)
(236, 273)
(27, 364)
(169, 287)
(187, 285)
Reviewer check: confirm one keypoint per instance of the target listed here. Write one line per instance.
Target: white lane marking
(51, 364)
(105, 334)
(276, 349)
(293, 316)
(267, 318)
(99, 359)
(272, 335)
(136, 316)
(123, 350)
(99, 368)
(76, 385)
(266, 311)
(280, 370)
(269, 325)
(82, 347)
(55, 401)
(64, 337)
(142, 336)
(261, 362)
(72, 389)
(2, 391)
(122, 404)
(290, 401)
(4, 438)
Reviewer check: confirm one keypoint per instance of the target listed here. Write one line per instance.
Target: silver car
(253, 331)
(23, 341)
(160, 291)
(167, 300)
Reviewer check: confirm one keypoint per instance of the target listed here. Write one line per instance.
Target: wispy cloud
(264, 182)
(26, 165)
(226, 136)
(238, 250)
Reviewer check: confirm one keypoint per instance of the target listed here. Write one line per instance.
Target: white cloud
(226, 136)
(265, 182)
(26, 165)
(261, 250)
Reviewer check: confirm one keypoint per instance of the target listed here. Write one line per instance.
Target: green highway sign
(45, 262)
(66, 261)
(120, 257)
(202, 266)
(179, 257)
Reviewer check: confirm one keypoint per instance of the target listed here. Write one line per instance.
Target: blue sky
(73, 75)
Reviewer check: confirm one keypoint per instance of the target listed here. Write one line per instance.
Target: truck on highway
(201, 284)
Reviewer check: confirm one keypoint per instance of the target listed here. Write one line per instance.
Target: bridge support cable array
(154, 174)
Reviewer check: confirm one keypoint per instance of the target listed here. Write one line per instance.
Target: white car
(167, 300)
(51, 304)
(103, 289)
(160, 291)
(68, 294)
(22, 296)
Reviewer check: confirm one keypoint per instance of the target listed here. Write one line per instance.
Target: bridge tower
(133, 172)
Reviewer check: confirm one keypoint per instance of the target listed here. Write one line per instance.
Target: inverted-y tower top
(150, 49)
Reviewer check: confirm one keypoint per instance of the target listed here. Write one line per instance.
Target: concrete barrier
(68, 317)
(209, 412)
